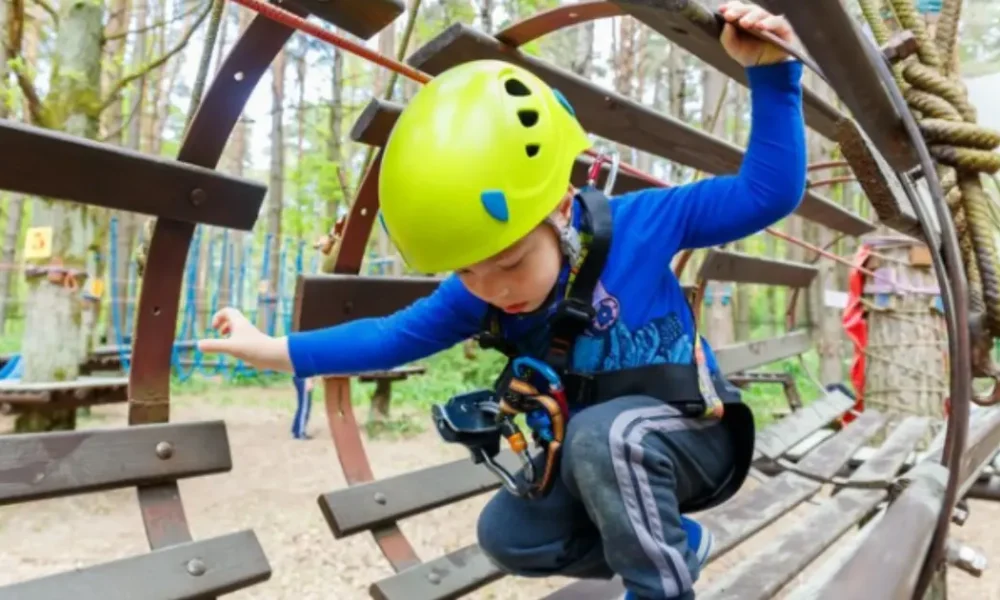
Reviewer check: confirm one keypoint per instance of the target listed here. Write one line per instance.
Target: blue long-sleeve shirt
(642, 314)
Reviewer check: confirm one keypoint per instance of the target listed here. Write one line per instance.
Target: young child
(474, 180)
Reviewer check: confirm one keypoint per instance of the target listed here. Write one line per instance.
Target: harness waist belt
(673, 384)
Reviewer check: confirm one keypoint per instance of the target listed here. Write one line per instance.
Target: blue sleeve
(768, 187)
(429, 325)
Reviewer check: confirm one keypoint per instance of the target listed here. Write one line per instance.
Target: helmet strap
(569, 239)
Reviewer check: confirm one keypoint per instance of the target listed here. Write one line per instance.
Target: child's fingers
(754, 16)
(734, 10)
(777, 25)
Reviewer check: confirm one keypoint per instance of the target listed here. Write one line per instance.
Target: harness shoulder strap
(575, 312)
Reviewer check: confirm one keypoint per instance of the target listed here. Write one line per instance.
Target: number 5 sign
(38, 242)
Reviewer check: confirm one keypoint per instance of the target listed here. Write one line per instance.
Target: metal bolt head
(434, 578)
(164, 450)
(196, 567)
(198, 196)
(380, 498)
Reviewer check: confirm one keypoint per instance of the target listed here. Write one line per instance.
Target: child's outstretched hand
(246, 342)
(747, 49)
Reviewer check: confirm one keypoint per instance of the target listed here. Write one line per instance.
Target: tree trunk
(387, 46)
(12, 234)
(276, 189)
(52, 347)
(719, 329)
(486, 15)
(116, 122)
(334, 148)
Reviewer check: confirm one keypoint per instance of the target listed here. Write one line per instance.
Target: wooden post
(907, 351)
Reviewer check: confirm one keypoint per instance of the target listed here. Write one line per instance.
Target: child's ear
(566, 206)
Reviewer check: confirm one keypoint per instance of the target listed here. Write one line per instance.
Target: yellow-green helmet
(479, 157)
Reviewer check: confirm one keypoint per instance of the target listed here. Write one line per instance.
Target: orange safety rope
(296, 22)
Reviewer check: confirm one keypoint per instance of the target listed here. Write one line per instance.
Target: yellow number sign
(38, 242)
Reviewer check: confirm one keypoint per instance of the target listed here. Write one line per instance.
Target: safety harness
(546, 390)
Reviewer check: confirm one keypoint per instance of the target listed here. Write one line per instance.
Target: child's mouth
(516, 308)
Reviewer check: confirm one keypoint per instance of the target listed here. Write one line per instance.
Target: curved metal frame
(149, 379)
(150, 403)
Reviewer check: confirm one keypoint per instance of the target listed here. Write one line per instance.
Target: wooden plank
(779, 437)
(748, 513)
(768, 570)
(750, 355)
(590, 589)
(449, 576)
(82, 383)
(693, 27)
(49, 465)
(363, 19)
(52, 164)
(880, 183)
(888, 563)
(325, 300)
(379, 116)
(362, 507)
(844, 54)
(190, 570)
(725, 265)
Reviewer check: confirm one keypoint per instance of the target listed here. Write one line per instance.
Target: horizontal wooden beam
(724, 265)
(202, 569)
(48, 465)
(449, 576)
(379, 116)
(363, 19)
(750, 355)
(845, 55)
(52, 164)
(326, 300)
(693, 27)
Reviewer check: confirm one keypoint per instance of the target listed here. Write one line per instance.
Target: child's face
(519, 279)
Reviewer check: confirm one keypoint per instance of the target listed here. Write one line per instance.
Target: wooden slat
(325, 300)
(779, 437)
(367, 506)
(768, 570)
(48, 465)
(449, 576)
(880, 183)
(378, 118)
(888, 563)
(114, 177)
(750, 355)
(835, 41)
(82, 383)
(748, 513)
(590, 589)
(190, 570)
(725, 265)
(692, 26)
(363, 19)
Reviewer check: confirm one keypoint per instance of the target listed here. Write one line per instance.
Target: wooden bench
(151, 454)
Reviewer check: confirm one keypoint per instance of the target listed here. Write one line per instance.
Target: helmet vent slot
(532, 150)
(528, 117)
(515, 87)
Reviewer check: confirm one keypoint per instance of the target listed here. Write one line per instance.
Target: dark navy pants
(626, 466)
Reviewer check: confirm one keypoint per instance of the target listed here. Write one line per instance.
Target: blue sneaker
(699, 539)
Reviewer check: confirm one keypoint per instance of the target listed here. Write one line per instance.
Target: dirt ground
(272, 489)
